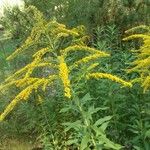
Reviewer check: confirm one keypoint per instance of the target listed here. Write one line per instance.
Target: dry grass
(15, 144)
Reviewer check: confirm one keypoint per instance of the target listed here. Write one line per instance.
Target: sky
(9, 3)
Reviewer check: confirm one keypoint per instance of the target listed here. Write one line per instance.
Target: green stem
(86, 123)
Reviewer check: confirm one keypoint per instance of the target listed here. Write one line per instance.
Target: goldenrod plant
(88, 132)
(142, 62)
(56, 53)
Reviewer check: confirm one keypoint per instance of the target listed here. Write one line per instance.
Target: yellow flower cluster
(25, 93)
(31, 68)
(25, 82)
(64, 30)
(142, 63)
(38, 17)
(146, 83)
(134, 29)
(40, 100)
(25, 69)
(11, 106)
(80, 29)
(108, 76)
(60, 35)
(6, 85)
(87, 59)
(27, 43)
(64, 76)
(40, 27)
(136, 36)
(41, 52)
(83, 48)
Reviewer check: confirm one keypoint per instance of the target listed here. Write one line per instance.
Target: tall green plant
(58, 56)
(87, 132)
(52, 43)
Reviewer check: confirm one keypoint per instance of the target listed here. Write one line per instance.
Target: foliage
(126, 105)
(93, 13)
(88, 133)
(20, 22)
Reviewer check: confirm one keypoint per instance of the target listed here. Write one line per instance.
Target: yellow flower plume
(108, 76)
(64, 76)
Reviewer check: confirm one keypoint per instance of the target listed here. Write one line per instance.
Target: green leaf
(104, 126)
(97, 130)
(93, 110)
(63, 110)
(147, 134)
(137, 148)
(84, 142)
(86, 98)
(109, 144)
(70, 142)
(75, 125)
(102, 120)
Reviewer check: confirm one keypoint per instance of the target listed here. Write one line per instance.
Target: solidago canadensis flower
(64, 76)
(27, 43)
(25, 93)
(108, 76)
(142, 61)
(40, 99)
(83, 48)
(89, 58)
